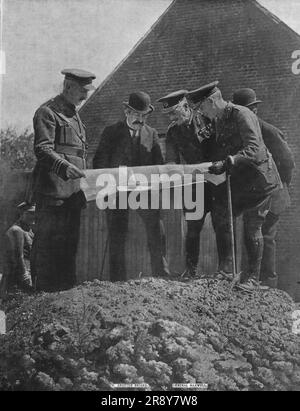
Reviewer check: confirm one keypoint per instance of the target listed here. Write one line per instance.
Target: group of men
(203, 128)
(243, 145)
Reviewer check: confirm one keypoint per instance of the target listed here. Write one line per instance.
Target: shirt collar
(132, 131)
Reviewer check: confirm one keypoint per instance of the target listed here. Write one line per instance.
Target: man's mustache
(138, 122)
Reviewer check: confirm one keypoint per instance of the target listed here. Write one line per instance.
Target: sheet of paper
(139, 178)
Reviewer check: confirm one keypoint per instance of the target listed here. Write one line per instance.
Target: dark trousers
(253, 218)
(117, 221)
(192, 241)
(55, 245)
(194, 228)
(269, 231)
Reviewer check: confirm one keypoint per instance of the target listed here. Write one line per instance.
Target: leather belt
(71, 151)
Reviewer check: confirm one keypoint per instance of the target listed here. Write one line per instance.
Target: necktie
(136, 147)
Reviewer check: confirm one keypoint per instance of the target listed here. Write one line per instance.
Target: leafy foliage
(16, 149)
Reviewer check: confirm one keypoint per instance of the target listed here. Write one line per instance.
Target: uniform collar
(65, 105)
(191, 120)
(227, 112)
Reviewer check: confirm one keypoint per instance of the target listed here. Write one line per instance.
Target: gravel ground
(150, 331)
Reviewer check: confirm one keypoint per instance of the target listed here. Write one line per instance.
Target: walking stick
(232, 234)
(106, 245)
(3, 286)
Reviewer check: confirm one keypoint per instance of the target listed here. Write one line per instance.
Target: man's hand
(218, 167)
(74, 172)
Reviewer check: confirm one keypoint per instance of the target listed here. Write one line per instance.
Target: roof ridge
(274, 18)
(132, 50)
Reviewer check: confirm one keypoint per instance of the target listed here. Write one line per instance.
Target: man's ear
(211, 100)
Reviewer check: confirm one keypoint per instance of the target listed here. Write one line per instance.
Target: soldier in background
(60, 148)
(187, 142)
(17, 253)
(274, 139)
(240, 150)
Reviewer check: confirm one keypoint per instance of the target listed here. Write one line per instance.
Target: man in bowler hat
(240, 150)
(60, 148)
(131, 142)
(187, 141)
(275, 141)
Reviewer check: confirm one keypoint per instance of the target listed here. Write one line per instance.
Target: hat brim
(89, 87)
(254, 102)
(30, 210)
(168, 110)
(148, 111)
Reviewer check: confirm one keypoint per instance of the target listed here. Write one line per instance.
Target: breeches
(253, 219)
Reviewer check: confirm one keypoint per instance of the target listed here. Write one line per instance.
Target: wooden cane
(232, 234)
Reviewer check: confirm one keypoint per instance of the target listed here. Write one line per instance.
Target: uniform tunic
(59, 140)
(254, 179)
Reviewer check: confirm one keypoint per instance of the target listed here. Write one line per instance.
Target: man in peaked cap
(132, 142)
(275, 141)
(187, 142)
(17, 251)
(60, 148)
(240, 150)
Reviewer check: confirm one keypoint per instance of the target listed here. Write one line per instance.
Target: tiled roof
(193, 43)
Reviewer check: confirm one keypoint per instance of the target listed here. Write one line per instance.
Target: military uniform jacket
(278, 147)
(59, 139)
(183, 145)
(116, 147)
(238, 134)
(284, 160)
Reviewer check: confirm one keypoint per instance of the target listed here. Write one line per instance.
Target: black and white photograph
(149, 198)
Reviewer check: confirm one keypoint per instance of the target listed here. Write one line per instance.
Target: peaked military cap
(199, 94)
(83, 77)
(171, 100)
(245, 97)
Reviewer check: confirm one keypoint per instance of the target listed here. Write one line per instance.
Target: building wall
(196, 42)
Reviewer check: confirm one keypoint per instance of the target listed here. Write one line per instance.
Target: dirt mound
(150, 331)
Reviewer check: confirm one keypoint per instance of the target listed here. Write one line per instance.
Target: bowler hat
(245, 97)
(199, 94)
(83, 77)
(171, 100)
(140, 102)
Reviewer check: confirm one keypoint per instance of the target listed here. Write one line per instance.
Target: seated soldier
(18, 246)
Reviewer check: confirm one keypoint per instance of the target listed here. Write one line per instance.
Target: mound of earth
(150, 331)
